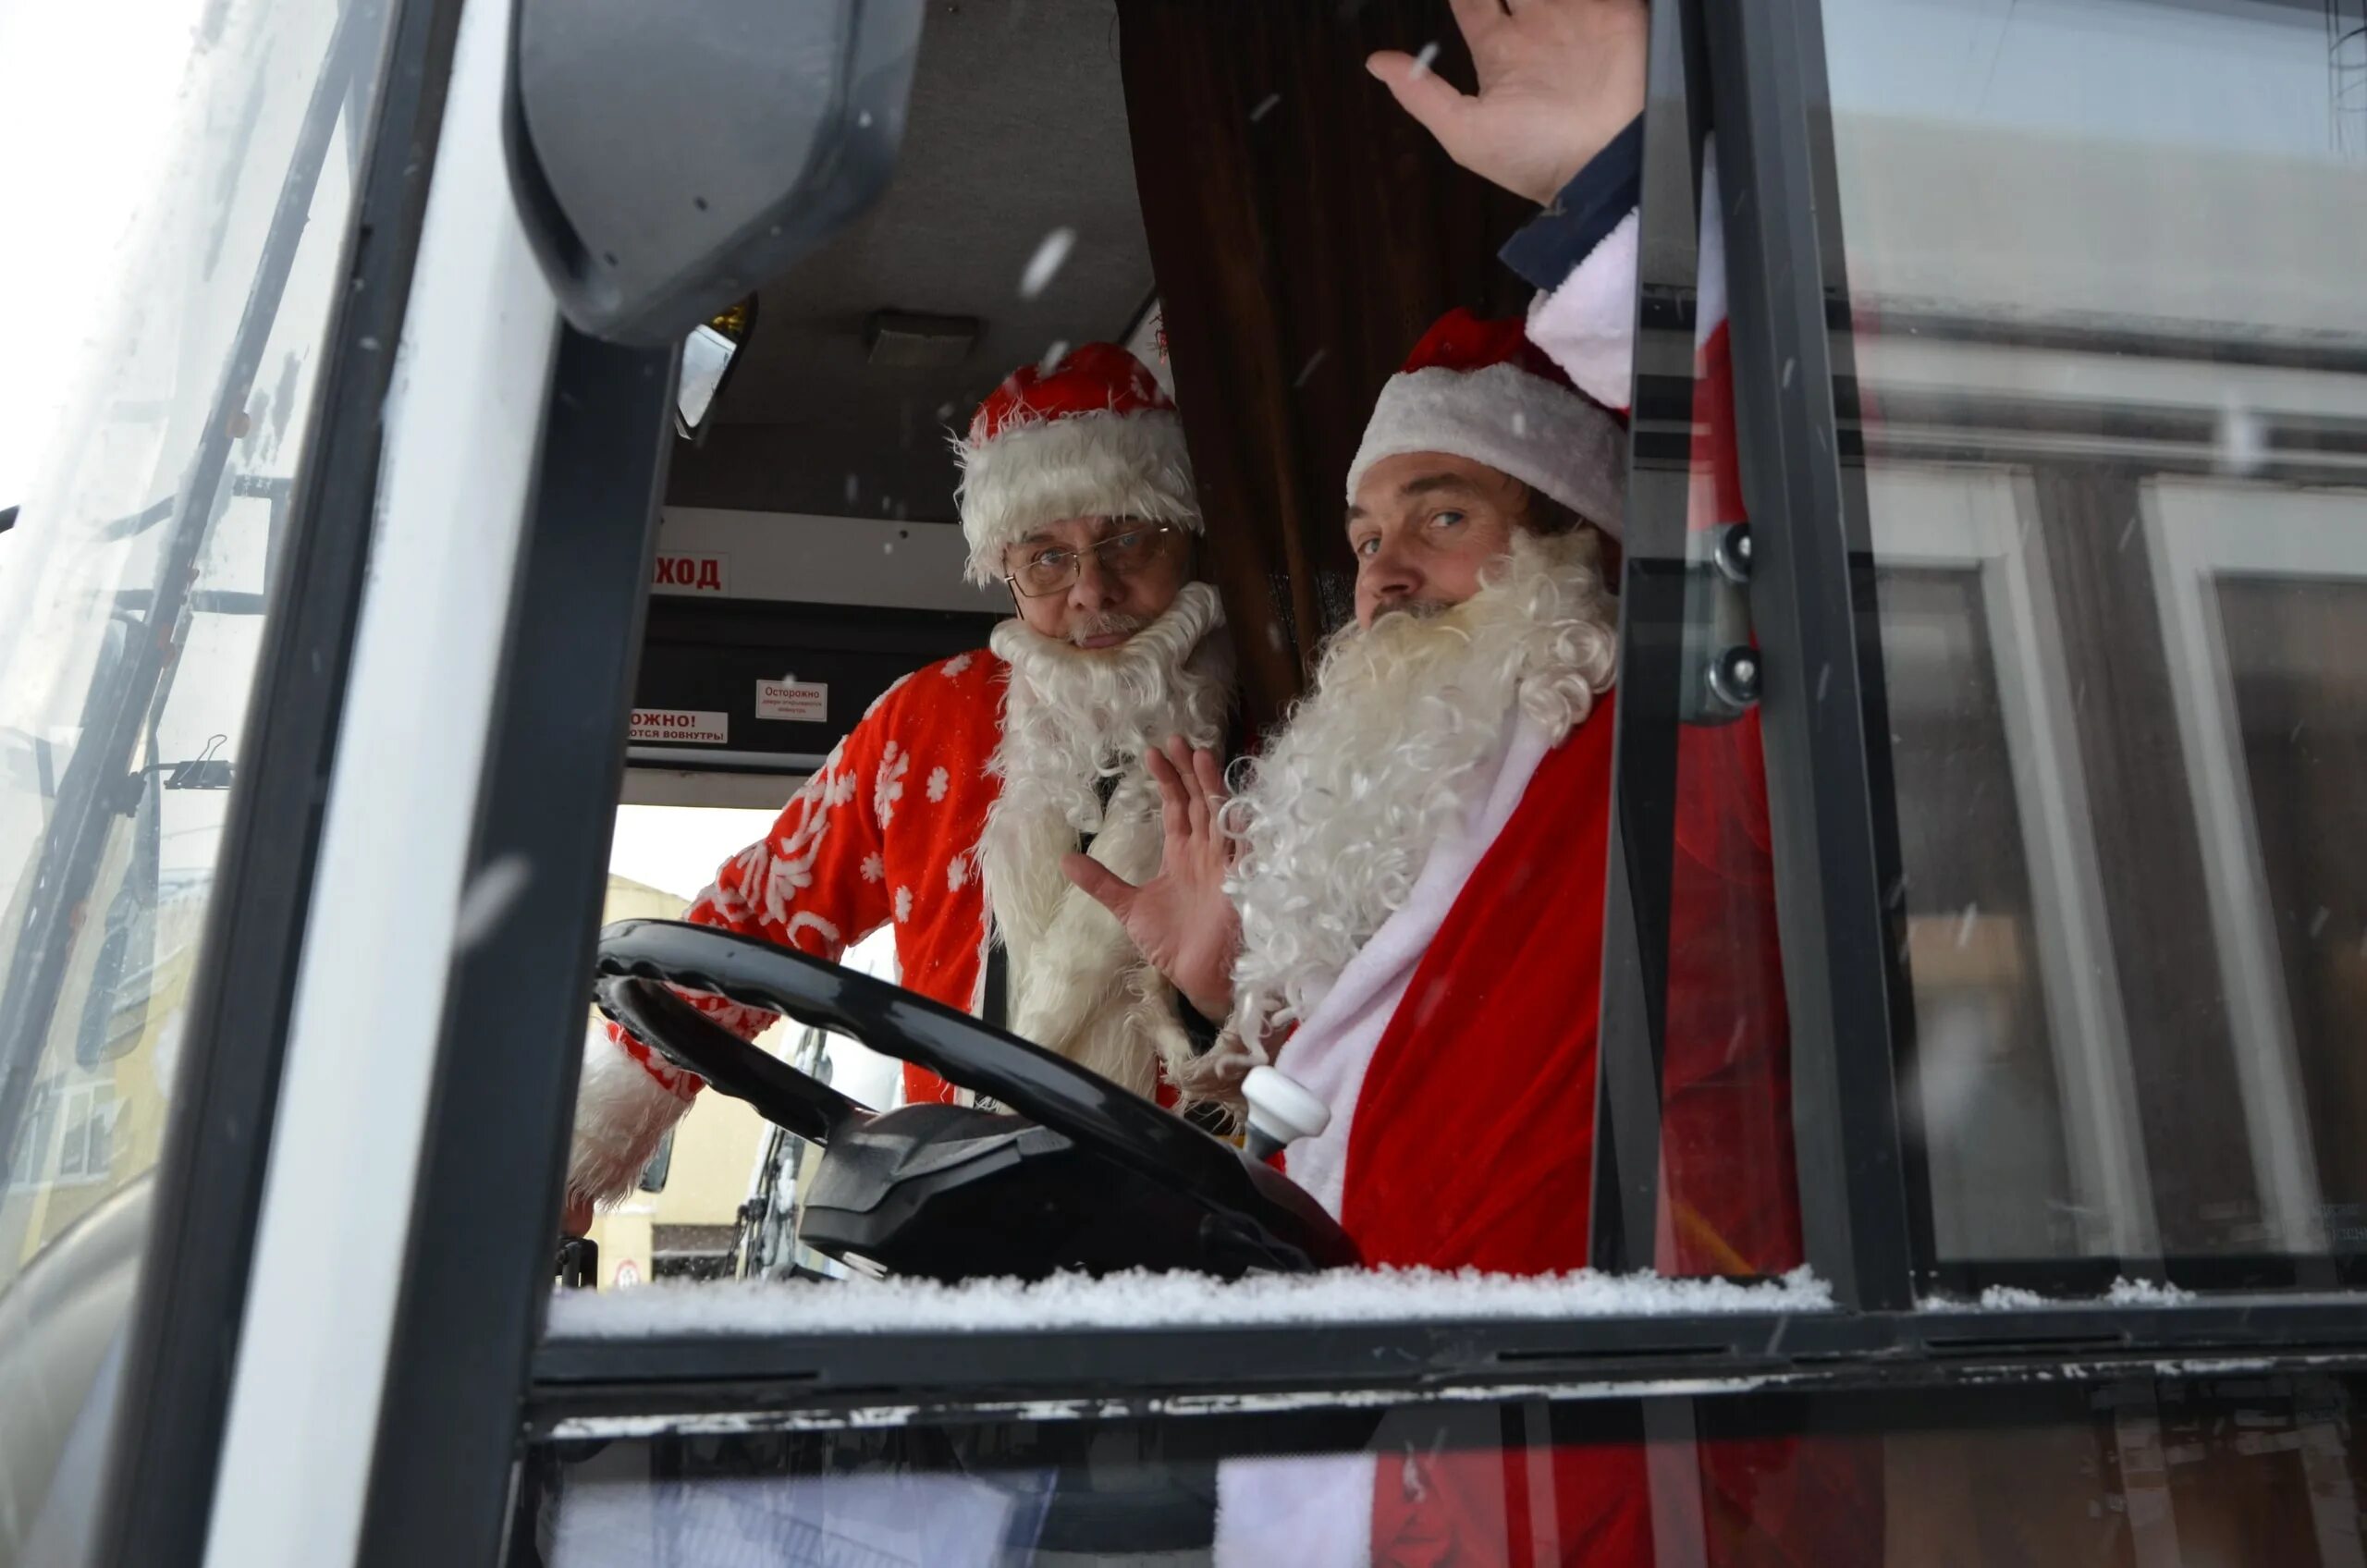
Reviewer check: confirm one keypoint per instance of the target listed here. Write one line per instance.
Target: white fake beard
(1073, 716)
(1338, 815)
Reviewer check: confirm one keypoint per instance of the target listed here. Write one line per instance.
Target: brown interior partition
(1304, 230)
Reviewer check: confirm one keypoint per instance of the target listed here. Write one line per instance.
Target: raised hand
(1558, 80)
(1179, 919)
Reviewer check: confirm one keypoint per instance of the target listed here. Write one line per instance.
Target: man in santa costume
(945, 813)
(1401, 909)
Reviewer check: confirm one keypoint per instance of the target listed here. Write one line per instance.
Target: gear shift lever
(1282, 1111)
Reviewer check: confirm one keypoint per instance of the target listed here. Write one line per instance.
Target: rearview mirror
(709, 354)
(667, 159)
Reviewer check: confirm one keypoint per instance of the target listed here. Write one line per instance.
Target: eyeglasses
(1054, 568)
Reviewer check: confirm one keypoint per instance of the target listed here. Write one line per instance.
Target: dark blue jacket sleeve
(1553, 244)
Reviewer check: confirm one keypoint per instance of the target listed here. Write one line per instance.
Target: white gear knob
(1282, 1111)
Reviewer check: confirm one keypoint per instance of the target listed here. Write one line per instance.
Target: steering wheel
(637, 959)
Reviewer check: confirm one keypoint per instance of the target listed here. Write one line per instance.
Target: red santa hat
(1480, 389)
(1090, 434)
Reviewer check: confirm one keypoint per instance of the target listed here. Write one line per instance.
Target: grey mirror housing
(668, 159)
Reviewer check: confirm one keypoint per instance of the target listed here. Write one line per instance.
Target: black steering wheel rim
(960, 1049)
(789, 1097)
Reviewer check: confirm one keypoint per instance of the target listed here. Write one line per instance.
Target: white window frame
(60, 1107)
(2198, 530)
(89, 1108)
(1980, 521)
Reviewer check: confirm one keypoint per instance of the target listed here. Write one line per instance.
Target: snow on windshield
(1145, 1300)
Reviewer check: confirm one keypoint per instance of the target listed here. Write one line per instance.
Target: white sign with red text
(798, 702)
(682, 725)
(678, 573)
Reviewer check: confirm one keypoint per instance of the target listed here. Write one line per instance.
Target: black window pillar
(1626, 1189)
(480, 1255)
(1812, 605)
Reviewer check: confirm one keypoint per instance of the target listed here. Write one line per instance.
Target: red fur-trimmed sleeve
(815, 883)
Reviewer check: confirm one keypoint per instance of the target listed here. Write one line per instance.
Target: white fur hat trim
(1106, 464)
(1546, 436)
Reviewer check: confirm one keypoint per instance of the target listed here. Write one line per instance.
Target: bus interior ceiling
(1017, 134)
(1067, 167)
(815, 515)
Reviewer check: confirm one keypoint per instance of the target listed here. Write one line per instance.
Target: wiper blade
(139, 521)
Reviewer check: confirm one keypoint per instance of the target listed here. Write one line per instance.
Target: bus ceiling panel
(667, 160)
(1013, 223)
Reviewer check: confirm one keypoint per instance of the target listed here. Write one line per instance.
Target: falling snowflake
(957, 872)
(894, 762)
(2242, 439)
(874, 869)
(903, 905)
(1045, 264)
(956, 664)
(938, 782)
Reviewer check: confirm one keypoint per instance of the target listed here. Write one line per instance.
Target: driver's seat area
(1055, 1168)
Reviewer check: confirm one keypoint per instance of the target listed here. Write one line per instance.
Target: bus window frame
(1624, 1187)
(1827, 768)
(478, 1267)
(1761, 74)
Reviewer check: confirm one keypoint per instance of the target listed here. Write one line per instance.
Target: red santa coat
(1463, 1115)
(884, 833)
(1462, 1132)
(932, 814)
(1458, 1054)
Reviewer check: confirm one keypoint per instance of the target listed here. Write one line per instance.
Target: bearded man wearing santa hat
(1401, 909)
(945, 813)
(1401, 912)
